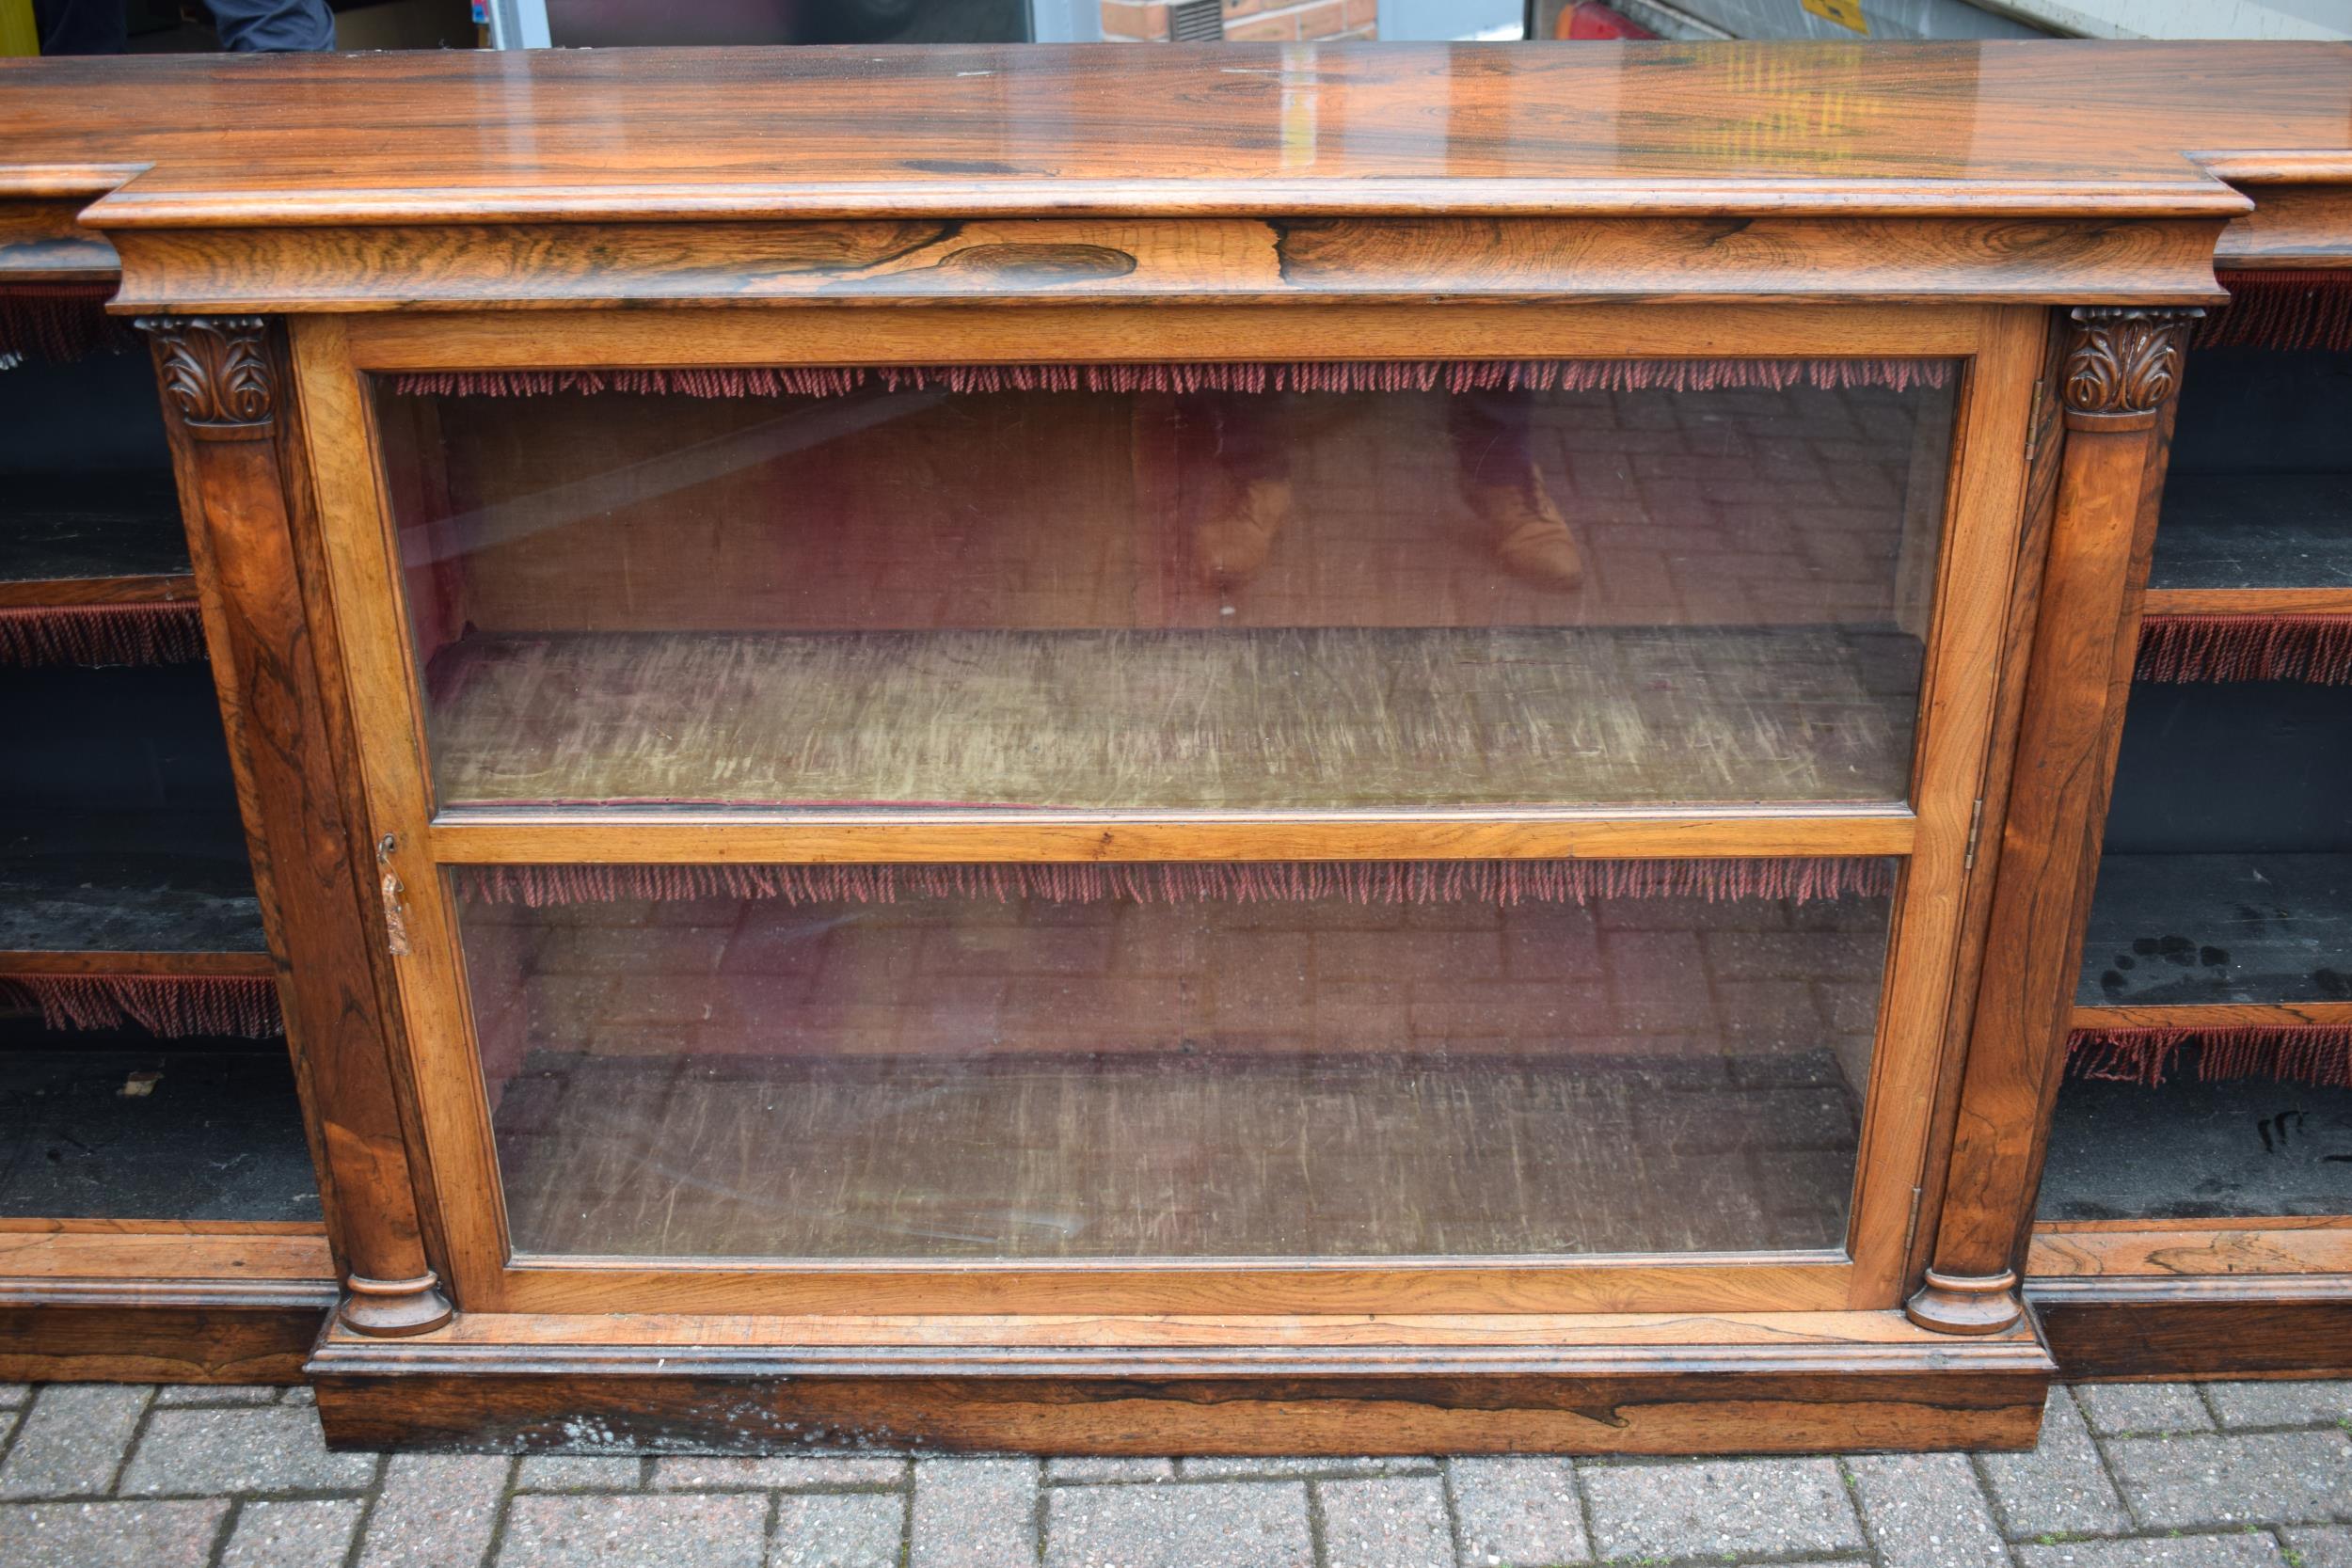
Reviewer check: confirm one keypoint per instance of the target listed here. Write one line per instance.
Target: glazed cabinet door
(1088, 810)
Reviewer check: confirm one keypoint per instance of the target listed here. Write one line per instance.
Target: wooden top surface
(1982, 129)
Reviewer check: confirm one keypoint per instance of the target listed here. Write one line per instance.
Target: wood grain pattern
(113, 1301)
(984, 132)
(2218, 1015)
(310, 862)
(2105, 1330)
(108, 961)
(2190, 1248)
(40, 242)
(2118, 385)
(1204, 260)
(1267, 1387)
(2037, 511)
(2291, 226)
(2248, 601)
(42, 592)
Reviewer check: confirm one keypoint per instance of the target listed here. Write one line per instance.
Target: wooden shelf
(2252, 933)
(86, 539)
(1321, 718)
(126, 894)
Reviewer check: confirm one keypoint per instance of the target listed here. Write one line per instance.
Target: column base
(1966, 1303)
(394, 1308)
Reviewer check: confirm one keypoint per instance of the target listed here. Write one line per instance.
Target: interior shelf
(193, 1134)
(92, 539)
(173, 886)
(1322, 717)
(2247, 531)
(2203, 931)
(2188, 1150)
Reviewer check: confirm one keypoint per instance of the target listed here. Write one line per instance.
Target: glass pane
(1059, 1061)
(849, 588)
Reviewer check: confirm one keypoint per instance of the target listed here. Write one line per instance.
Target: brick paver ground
(2152, 1476)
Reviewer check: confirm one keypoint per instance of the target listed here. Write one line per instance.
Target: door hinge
(395, 918)
(2033, 419)
(1911, 1230)
(1976, 831)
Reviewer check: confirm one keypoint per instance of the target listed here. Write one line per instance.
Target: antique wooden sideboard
(1238, 750)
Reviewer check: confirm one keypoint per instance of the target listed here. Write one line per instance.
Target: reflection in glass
(1176, 1061)
(1115, 586)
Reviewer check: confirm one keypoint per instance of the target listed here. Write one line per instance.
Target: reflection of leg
(1504, 488)
(1251, 487)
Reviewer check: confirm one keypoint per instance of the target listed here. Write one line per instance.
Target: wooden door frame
(1914, 1054)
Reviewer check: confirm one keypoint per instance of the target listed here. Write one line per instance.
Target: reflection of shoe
(1234, 542)
(1529, 534)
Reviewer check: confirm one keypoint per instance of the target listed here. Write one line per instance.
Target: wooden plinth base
(1744, 1383)
(94, 1302)
(2118, 1330)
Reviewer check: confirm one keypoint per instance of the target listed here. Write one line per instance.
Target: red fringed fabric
(2282, 309)
(166, 1005)
(1175, 882)
(2183, 648)
(1342, 375)
(101, 634)
(58, 323)
(2303, 1053)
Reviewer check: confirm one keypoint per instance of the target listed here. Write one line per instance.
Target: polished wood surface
(1205, 260)
(2235, 1327)
(40, 242)
(2318, 1244)
(2248, 601)
(2214, 1015)
(154, 1301)
(1774, 1383)
(2015, 129)
(2117, 387)
(2291, 226)
(239, 464)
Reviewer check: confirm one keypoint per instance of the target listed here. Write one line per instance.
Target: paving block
(271, 1448)
(638, 1530)
(1302, 1469)
(578, 1472)
(838, 1530)
(292, 1534)
(794, 1471)
(1720, 1508)
(2329, 1546)
(973, 1513)
(2060, 1487)
(1926, 1511)
(1235, 1524)
(216, 1393)
(2240, 1550)
(14, 1394)
(1517, 1511)
(72, 1441)
(1110, 1469)
(2129, 1409)
(2281, 1404)
(436, 1510)
(1398, 1522)
(110, 1535)
(2293, 1478)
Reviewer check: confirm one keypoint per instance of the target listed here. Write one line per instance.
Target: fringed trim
(58, 323)
(2282, 309)
(2182, 648)
(1334, 375)
(1177, 882)
(172, 1005)
(101, 634)
(2302, 1054)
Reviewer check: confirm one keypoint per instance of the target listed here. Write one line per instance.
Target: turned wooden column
(242, 490)
(2122, 370)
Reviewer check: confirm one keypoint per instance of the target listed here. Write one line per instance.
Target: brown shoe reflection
(1233, 543)
(1529, 534)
